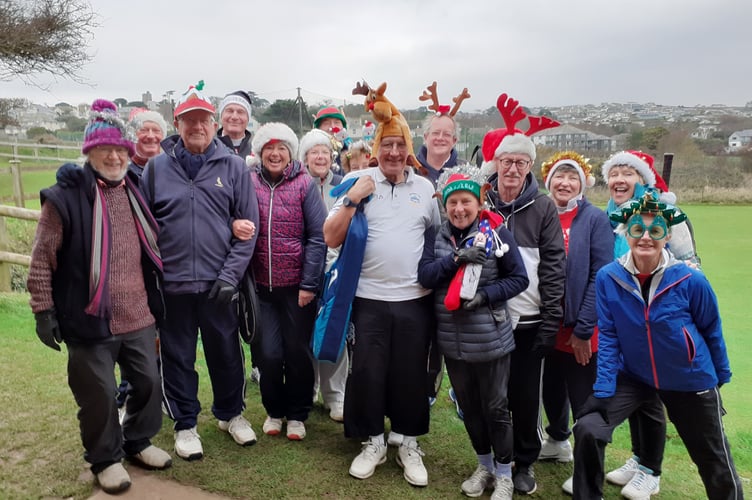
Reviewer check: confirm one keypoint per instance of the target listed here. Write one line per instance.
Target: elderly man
(150, 129)
(440, 134)
(198, 188)
(532, 217)
(234, 115)
(93, 284)
(391, 335)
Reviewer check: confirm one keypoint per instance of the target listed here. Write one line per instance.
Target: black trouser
(524, 395)
(91, 377)
(565, 382)
(223, 349)
(285, 357)
(697, 418)
(481, 390)
(388, 368)
(647, 430)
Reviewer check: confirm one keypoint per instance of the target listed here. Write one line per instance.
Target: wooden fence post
(15, 170)
(4, 266)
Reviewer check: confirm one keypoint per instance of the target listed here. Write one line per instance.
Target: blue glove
(69, 175)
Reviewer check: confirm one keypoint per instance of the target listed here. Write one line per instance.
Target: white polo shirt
(398, 216)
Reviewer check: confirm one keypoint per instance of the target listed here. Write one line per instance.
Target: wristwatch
(347, 202)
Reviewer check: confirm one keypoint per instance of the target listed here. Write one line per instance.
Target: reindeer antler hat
(443, 109)
(512, 139)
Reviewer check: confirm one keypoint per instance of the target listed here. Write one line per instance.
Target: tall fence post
(4, 266)
(15, 170)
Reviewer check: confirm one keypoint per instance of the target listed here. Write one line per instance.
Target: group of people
(516, 290)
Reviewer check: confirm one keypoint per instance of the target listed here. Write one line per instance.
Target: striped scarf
(101, 244)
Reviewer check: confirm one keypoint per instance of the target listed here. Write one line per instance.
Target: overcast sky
(542, 52)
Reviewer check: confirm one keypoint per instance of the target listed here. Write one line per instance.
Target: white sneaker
(337, 412)
(504, 489)
(476, 484)
(372, 454)
(642, 485)
(121, 415)
(256, 375)
(623, 474)
(568, 486)
(240, 430)
(114, 479)
(188, 444)
(152, 457)
(295, 430)
(272, 426)
(394, 438)
(561, 451)
(409, 457)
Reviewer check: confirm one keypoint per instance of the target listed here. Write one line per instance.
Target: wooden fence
(8, 258)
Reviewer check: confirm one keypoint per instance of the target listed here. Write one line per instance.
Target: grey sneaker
(642, 485)
(410, 458)
(372, 454)
(114, 479)
(561, 451)
(188, 444)
(623, 474)
(504, 489)
(152, 457)
(524, 480)
(476, 484)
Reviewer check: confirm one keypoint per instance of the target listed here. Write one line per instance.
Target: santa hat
(139, 116)
(313, 138)
(512, 139)
(643, 163)
(568, 159)
(105, 128)
(193, 99)
(239, 97)
(329, 112)
(272, 132)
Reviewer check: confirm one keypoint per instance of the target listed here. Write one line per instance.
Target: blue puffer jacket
(194, 216)
(674, 342)
(486, 333)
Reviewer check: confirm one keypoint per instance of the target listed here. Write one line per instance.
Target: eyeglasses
(389, 146)
(519, 164)
(192, 121)
(657, 230)
(438, 133)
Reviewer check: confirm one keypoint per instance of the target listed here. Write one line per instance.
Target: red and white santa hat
(643, 163)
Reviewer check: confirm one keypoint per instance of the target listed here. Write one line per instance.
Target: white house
(740, 139)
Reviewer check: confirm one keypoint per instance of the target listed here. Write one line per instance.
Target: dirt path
(146, 486)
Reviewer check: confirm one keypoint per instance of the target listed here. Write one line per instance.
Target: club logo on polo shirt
(415, 198)
(219, 183)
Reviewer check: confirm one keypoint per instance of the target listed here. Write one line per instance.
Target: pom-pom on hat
(329, 112)
(193, 99)
(313, 138)
(139, 116)
(239, 97)
(272, 132)
(105, 128)
(512, 139)
(571, 159)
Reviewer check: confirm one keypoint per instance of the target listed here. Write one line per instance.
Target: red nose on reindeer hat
(512, 139)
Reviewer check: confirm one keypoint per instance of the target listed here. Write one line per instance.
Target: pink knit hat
(105, 128)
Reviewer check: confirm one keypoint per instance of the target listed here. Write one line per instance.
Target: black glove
(48, 330)
(479, 300)
(69, 175)
(542, 346)
(594, 405)
(222, 293)
(471, 255)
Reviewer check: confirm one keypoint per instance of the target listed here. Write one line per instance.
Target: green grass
(40, 449)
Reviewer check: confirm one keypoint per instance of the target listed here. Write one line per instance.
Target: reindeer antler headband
(444, 109)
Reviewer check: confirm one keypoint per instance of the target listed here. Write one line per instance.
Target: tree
(120, 102)
(287, 111)
(7, 106)
(44, 36)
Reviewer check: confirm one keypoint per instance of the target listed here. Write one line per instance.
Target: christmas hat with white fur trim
(512, 139)
(313, 138)
(274, 132)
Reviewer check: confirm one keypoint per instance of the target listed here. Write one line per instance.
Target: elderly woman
(569, 371)
(628, 174)
(287, 265)
(475, 335)
(660, 336)
(316, 153)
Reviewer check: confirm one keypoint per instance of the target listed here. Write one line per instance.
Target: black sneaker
(524, 480)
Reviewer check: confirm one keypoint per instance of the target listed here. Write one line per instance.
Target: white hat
(274, 132)
(313, 138)
(630, 159)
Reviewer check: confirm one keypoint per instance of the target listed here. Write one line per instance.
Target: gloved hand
(48, 330)
(594, 405)
(479, 300)
(222, 293)
(69, 175)
(471, 255)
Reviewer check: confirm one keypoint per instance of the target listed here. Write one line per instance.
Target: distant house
(740, 139)
(567, 137)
